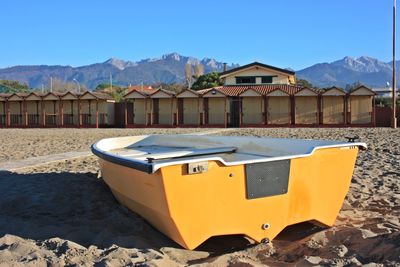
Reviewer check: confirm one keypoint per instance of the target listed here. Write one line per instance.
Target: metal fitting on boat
(265, 240)
(352, 139)
(265, 226)
(197, 167)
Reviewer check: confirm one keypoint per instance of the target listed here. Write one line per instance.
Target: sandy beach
(62, 213)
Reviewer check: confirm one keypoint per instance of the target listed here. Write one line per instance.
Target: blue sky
(284, 33)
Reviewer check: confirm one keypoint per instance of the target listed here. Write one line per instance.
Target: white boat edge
(103, 147)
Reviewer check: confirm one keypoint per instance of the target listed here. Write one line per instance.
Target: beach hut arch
(87, 96)
(334, 91)
(33, 97)
(278, 109)
(69, 96)
(135, 95)
(15, 97)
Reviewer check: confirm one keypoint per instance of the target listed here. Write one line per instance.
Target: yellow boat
(194, 187)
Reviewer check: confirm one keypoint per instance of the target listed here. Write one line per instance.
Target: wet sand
(62, 213)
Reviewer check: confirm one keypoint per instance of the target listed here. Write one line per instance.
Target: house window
(245, 79)
(266, 79)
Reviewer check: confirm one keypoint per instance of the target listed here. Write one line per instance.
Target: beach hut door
(180, 110)
(156, 110)
(234, 120)
(129, 111)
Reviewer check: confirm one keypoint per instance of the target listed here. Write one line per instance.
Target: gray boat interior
(151, 152)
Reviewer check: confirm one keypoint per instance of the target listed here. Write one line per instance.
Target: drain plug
(265, 226)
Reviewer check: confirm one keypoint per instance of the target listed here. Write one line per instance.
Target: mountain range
(169, 68)
(366, 70)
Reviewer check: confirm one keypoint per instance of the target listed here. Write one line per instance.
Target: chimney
(224, 66)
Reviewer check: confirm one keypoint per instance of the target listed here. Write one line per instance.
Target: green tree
(102, 86)
(198, 70)
(304, 83)
(385, 101)
(9, 86)
(350, 87)
(208, 80)
(174, 87)
(117, 92)
(63, 86)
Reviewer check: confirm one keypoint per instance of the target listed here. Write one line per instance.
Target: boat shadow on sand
(79, 207)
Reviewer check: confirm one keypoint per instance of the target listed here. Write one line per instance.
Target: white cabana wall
(188, 106)
(215, 108)
(333, 106)
(306, 107)
(15, 110)
(163, 108)
(33, 105)
(361, 106)
(51, 109)
(278, 111)
(141, 107)
(252, 107)
(70, 109)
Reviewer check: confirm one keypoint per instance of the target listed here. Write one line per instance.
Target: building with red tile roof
(236, 90)
(255, 94)
(145, 89)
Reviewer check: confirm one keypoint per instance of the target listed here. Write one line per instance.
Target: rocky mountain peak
(119, 63)
(367, 70)
(210, 62)
(173, 56)
(362, 64)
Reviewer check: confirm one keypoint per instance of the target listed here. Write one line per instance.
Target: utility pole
(394, 81)
(111, 81)
(79, 86)
(51, 84)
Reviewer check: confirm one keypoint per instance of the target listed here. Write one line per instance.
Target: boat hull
(192, 208)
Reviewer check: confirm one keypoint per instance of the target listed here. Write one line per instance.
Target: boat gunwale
(152, 167)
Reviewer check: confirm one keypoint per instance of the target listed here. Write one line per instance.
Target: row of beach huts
(250, 106)
(268, 105)
(89, 109)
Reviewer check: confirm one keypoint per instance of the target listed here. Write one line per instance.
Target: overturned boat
(194, 187)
